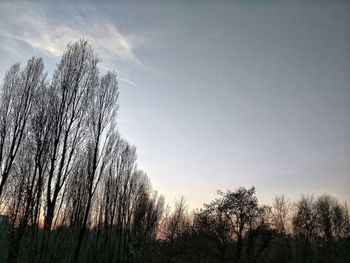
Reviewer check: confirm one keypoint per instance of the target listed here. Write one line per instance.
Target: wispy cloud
(30, 24)
(122, 78)
(129, 82)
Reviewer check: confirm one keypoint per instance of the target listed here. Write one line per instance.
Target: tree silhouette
(71, 191)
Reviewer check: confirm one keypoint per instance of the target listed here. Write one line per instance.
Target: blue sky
(214, 95)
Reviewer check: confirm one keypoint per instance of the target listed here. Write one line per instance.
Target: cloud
(105, 67)
(129, 82)
(49, 34)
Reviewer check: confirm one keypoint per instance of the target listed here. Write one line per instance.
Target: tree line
(236, 228)
(71, 191)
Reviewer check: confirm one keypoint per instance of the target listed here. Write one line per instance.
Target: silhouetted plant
(71, 191)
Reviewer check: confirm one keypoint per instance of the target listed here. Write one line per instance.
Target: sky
(214, 94)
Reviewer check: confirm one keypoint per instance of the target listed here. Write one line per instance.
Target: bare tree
(18, 97)
(242, 209)
(281, 221)
(281, 214)
(212, 221)
(340, 220)
(177, 222)
(236, 217)
(324, 223)
(71, 89)
(124, 206)
(100, 141)
(16, 101)
(304, 223)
